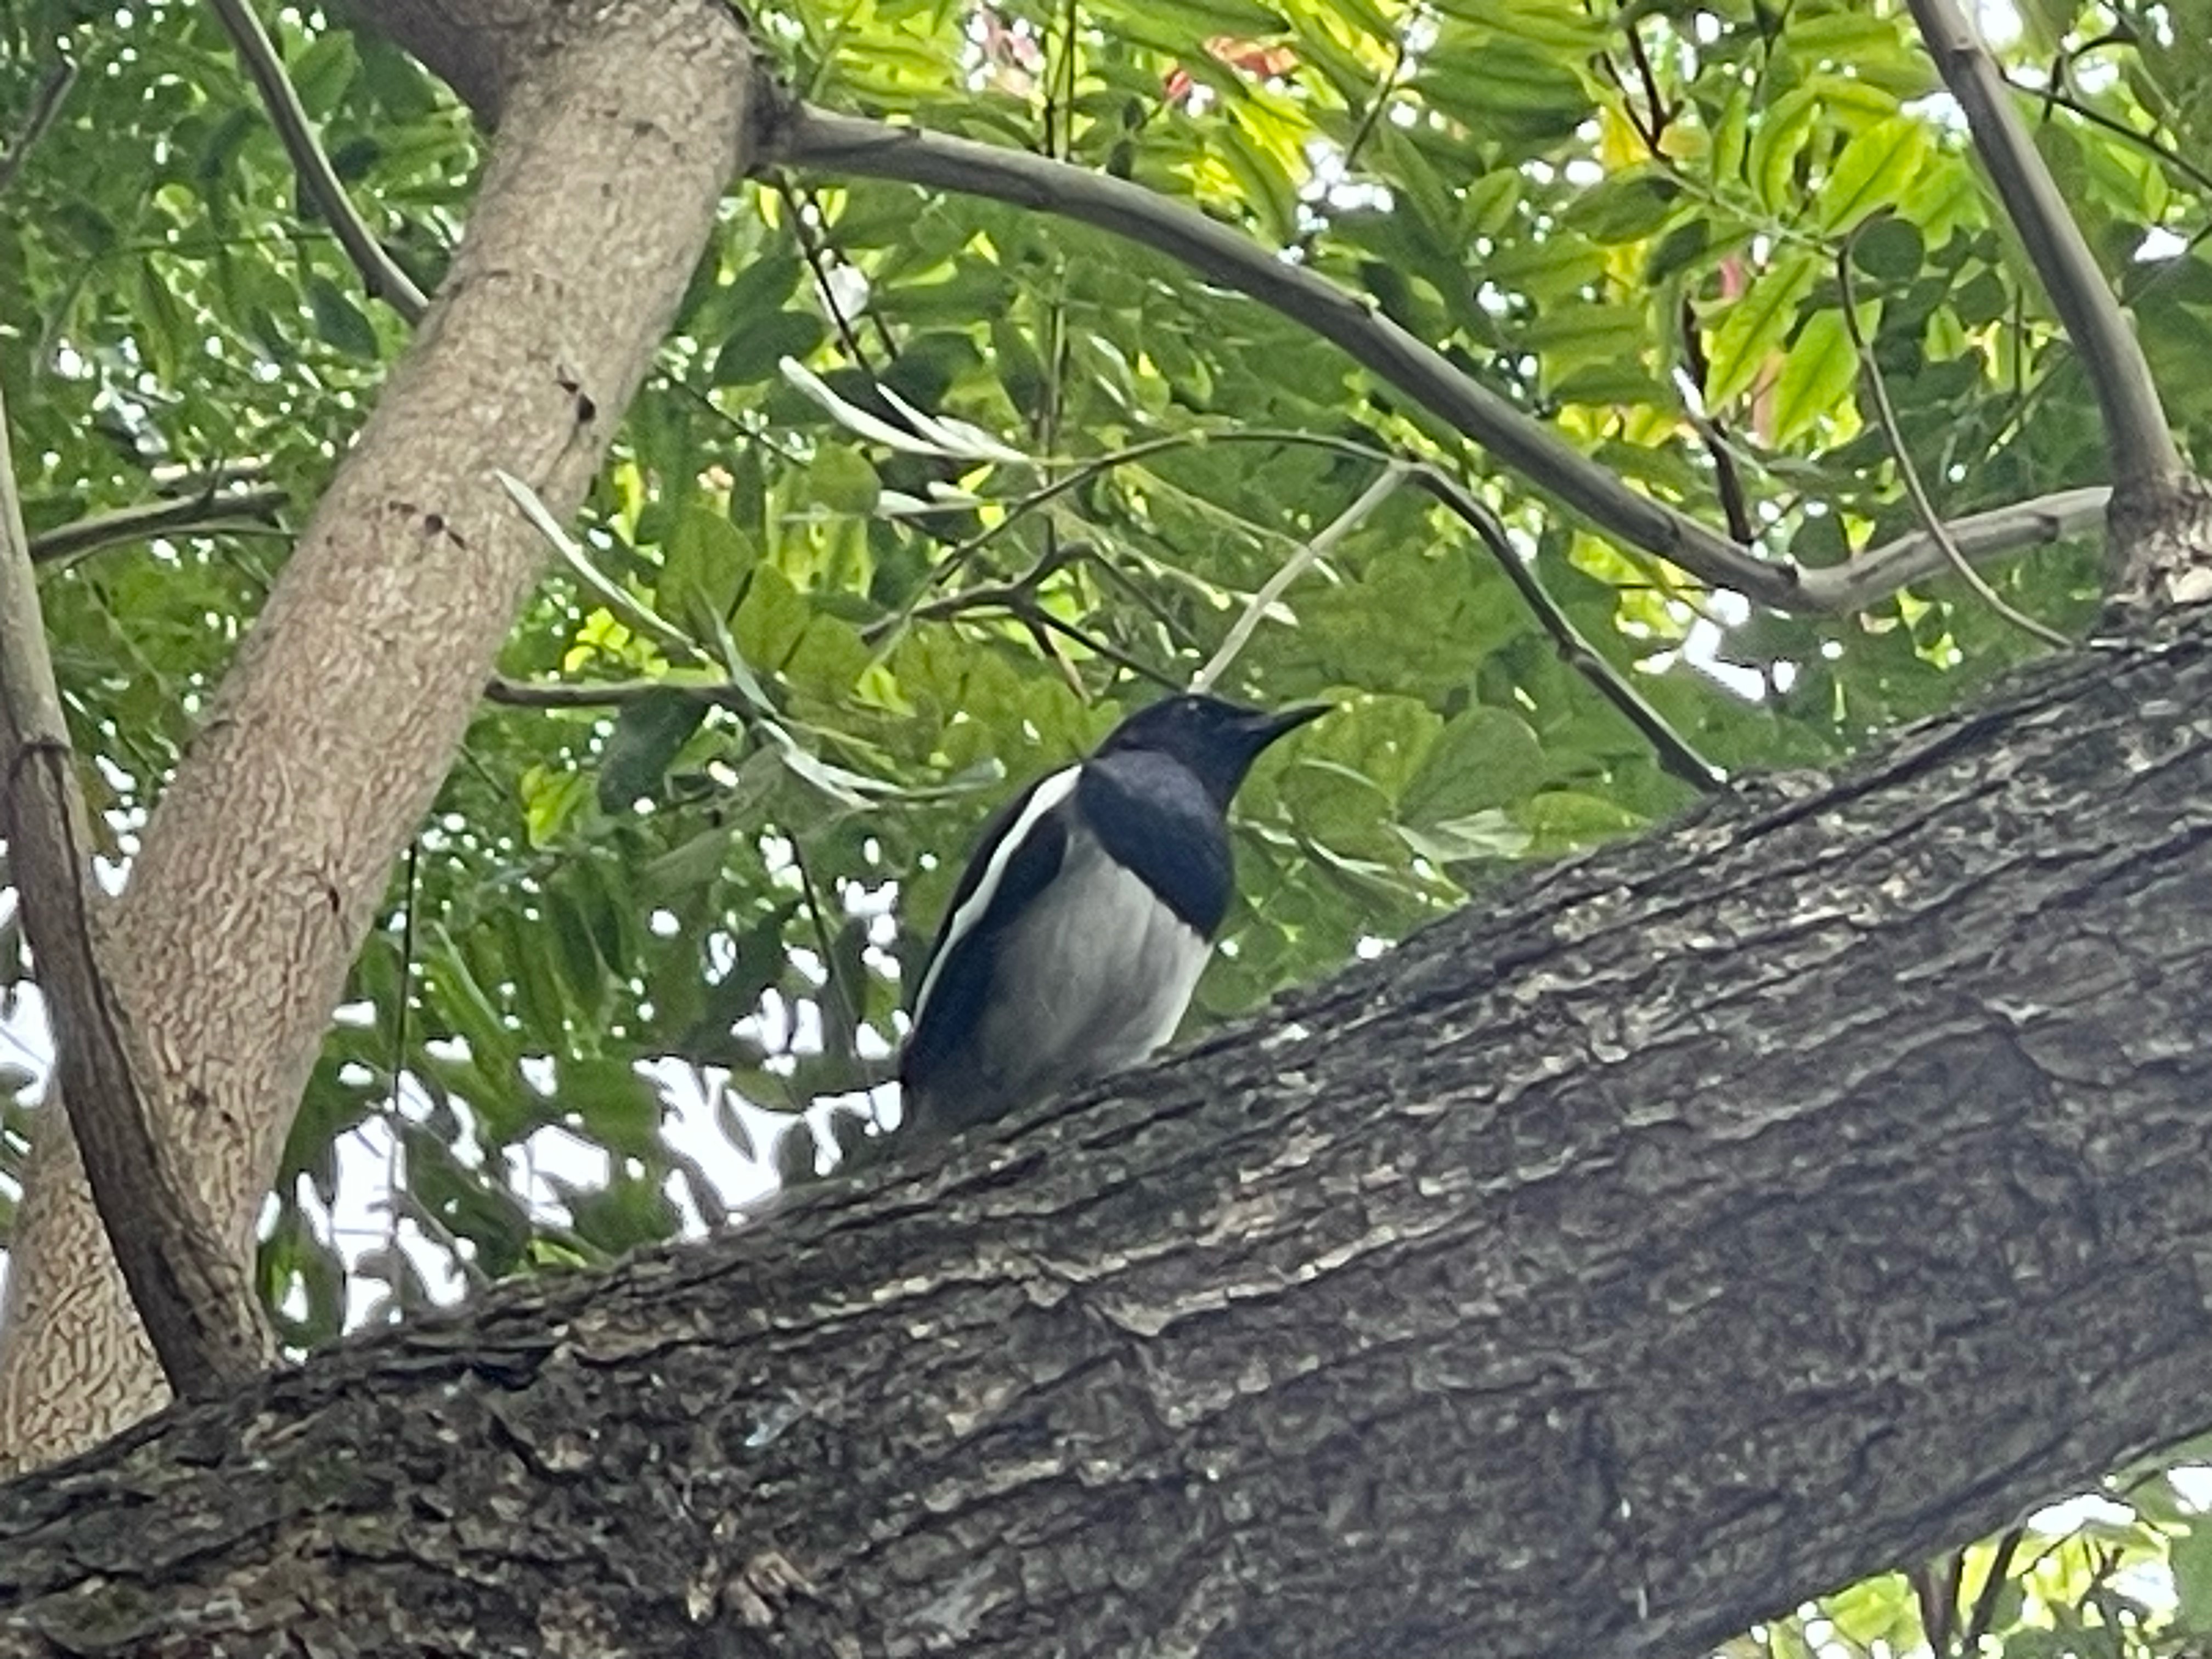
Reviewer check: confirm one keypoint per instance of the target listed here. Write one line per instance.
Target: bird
(1077, 931)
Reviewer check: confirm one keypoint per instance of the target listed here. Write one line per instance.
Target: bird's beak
(1268, 728)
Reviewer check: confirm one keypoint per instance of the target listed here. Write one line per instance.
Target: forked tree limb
(620, 126)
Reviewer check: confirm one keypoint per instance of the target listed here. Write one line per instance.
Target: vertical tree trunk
(619, 132)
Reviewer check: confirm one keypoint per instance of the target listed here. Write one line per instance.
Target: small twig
(401, 1204)
(1993, 1583)
(706, 1196)
(2138, 442)
(1652, 127)
(832, 982)
(1027, 610)
(2051, 95)
(1660, 116)
(252, 511)
(381, 274)
(45, 105)
(1376, 105)
(1675, 755)
(1728, 478)
(1935, 1618)
(1885, 415)
(1241, 631)
(609, 694)
(195, 1301)
(810, 249)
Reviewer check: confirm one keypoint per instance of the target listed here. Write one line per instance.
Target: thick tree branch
(1687, 1228)
(198, 1306)
(806, 138)
(2138, 442)
(381, 274)
(264, 858)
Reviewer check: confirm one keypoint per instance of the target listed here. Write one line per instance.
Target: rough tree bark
(1694, 1226)
(621, 126)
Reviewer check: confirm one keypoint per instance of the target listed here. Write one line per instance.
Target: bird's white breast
(1095, 977)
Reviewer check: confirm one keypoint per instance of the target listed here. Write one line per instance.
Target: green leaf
(1816, 377)
(1188, 23)
(1890, 250)
(646, 737)
(607, 1101)
(626, 1213)
(550, 800)
(1506, 89)
(1876, 168)
(1487, 757)
(339, 321)
(1779, 136)
(752, 352)
(842, 480)
(1752, 329)
(703, 566)
(1626, 207)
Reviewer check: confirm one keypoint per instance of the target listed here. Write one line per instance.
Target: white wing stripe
(1049, 793)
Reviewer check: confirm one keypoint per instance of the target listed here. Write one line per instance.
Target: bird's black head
(1216, 740)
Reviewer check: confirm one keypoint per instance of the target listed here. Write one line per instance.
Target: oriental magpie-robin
(1076, 932)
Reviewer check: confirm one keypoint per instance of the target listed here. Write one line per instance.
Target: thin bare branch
(1901, 453)
(2138, 442)
(2055, 96)
(45, 107)
(381, 274)
(1271, 591)
(805, 138)
(605, 694)
(1993, 1582)
(252, 511)
(197, 1305)
(1728, 477)
(1674, 752)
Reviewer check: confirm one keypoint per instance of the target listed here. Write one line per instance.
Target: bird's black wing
(955, 979)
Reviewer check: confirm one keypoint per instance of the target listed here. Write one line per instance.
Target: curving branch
(2138, 443)
(251, 511)
(381, 274)
(801, 136)
(1901, 451)
(197, 1305)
